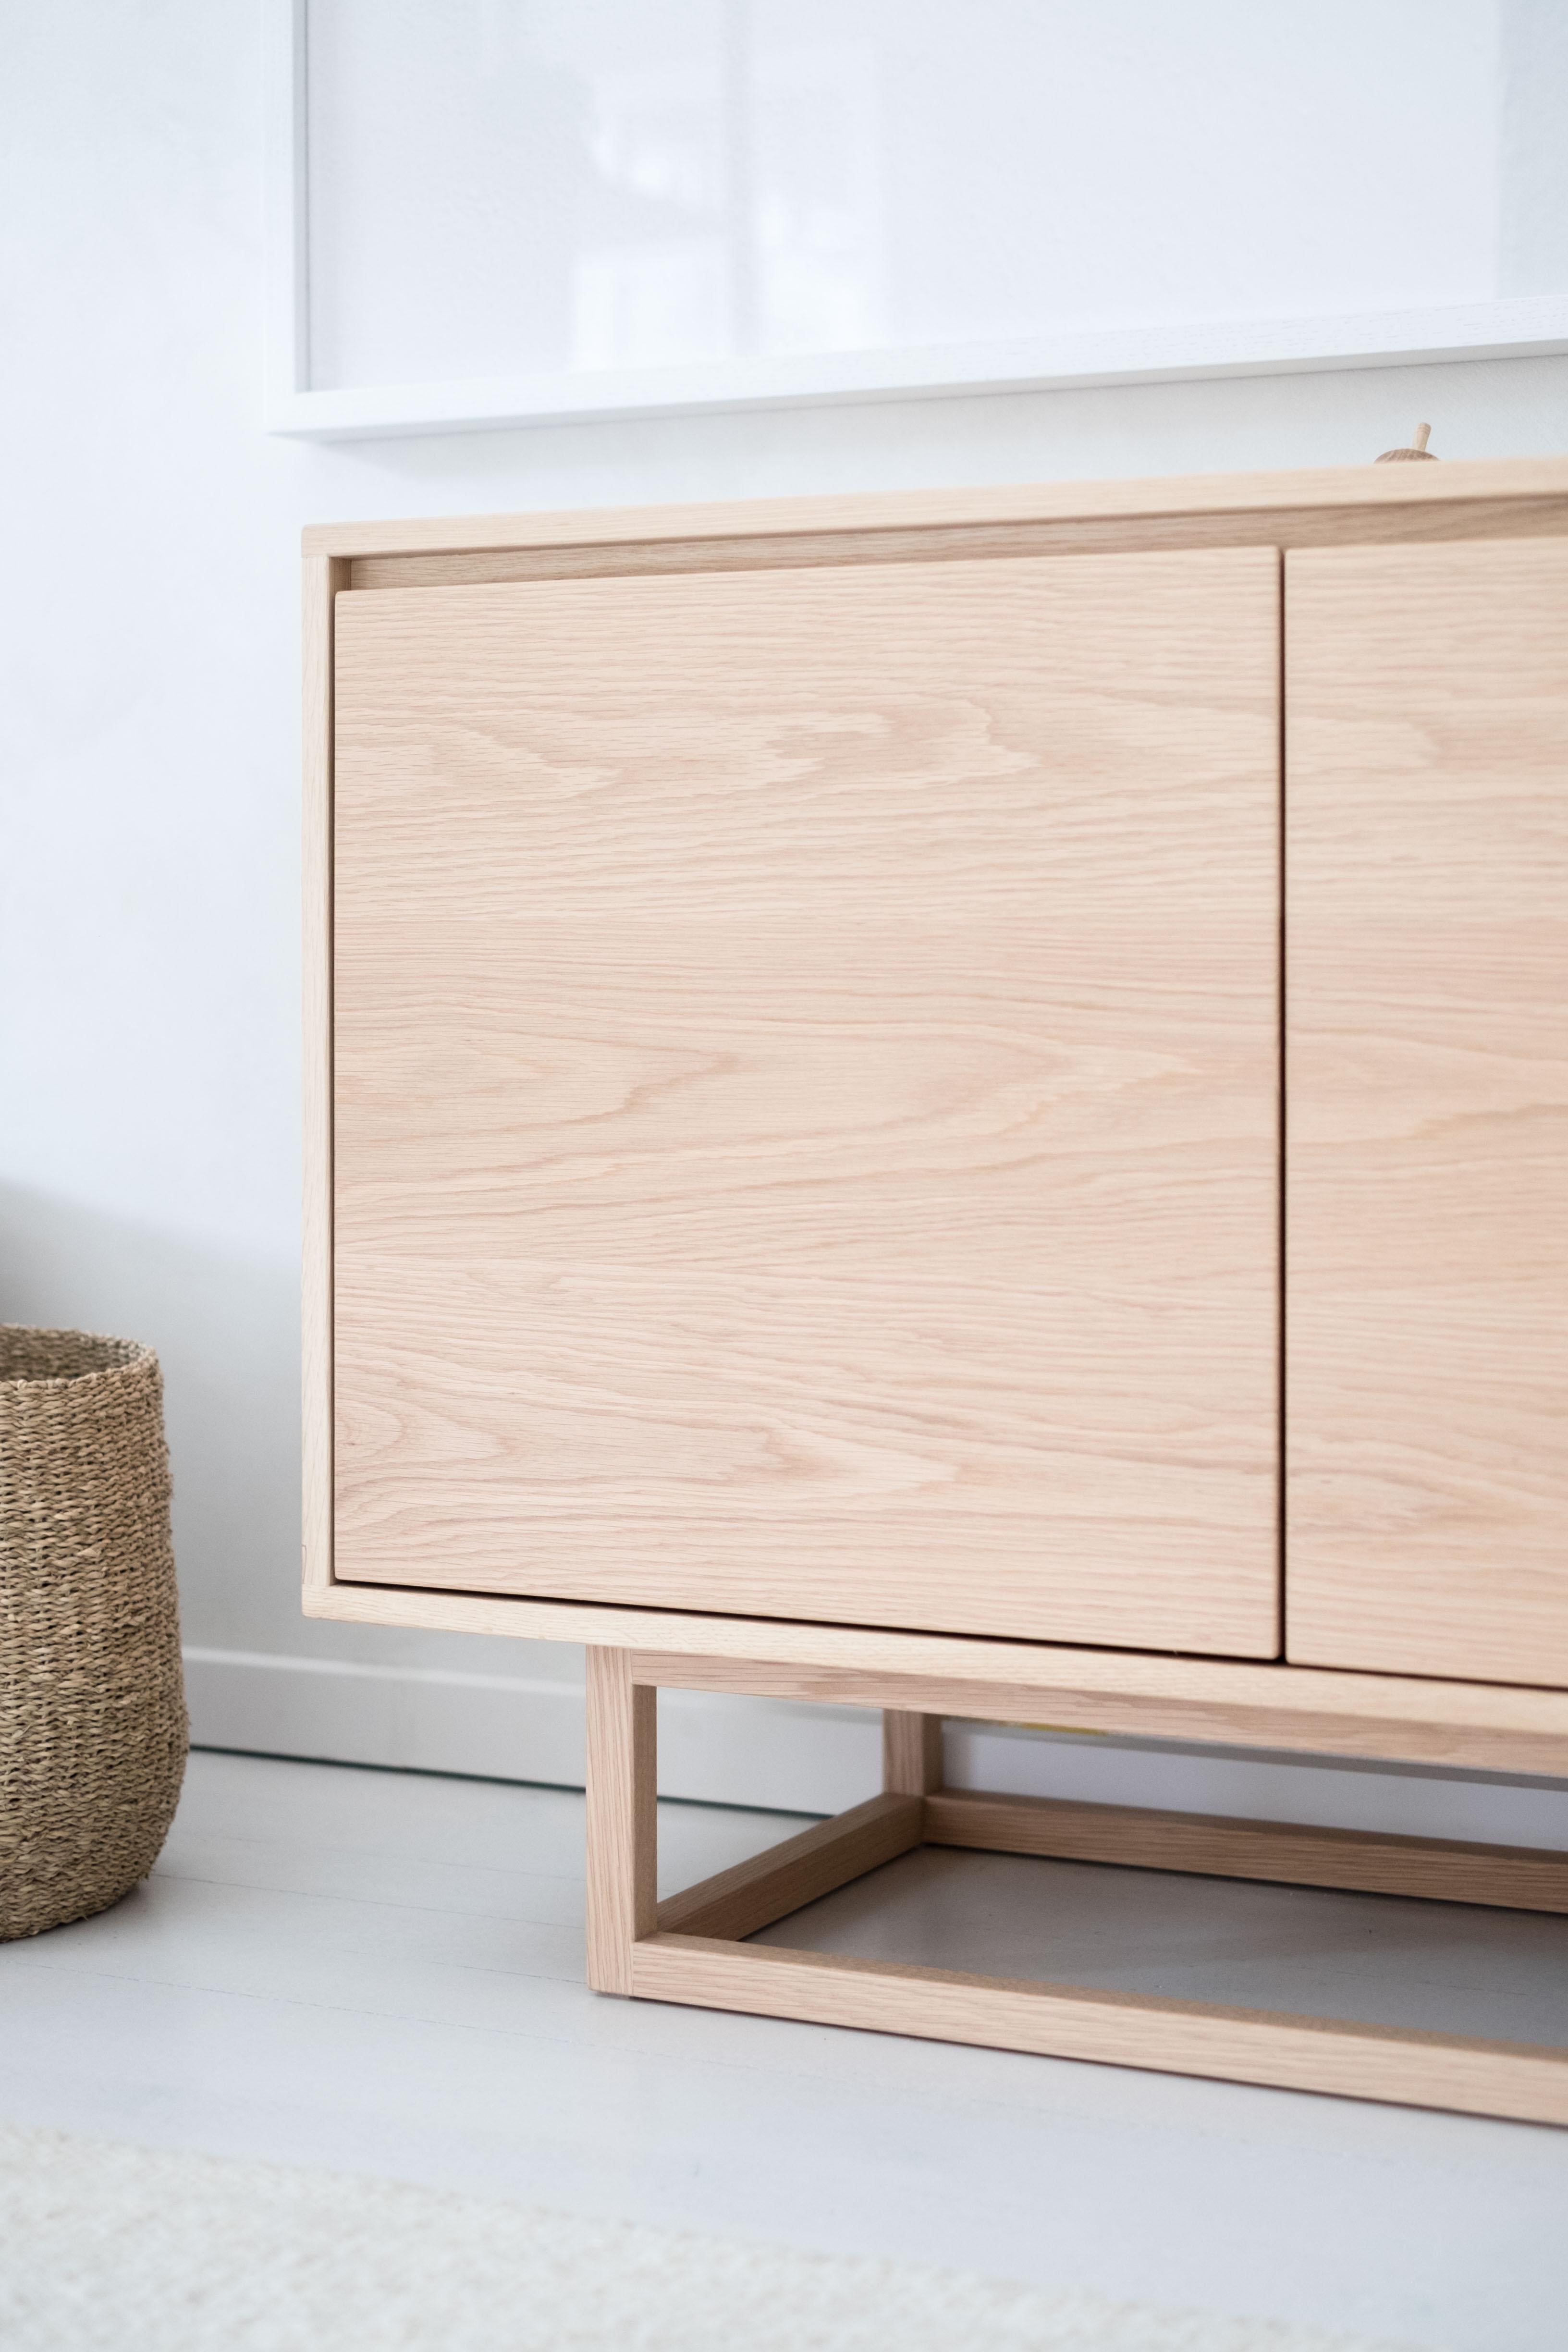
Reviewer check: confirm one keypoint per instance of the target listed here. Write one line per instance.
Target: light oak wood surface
(1349, 490)
(323, 578)
(807, 1095)
(1312, 526)
(622, 1819)
(1427, 1057)
(912, 1752)
(890, 859)
(690, 1949)
(1174, 2037)
(769, 1885)
(1415, 1720)
(1473, 1726)
(752, 1893)
(1293, 1854)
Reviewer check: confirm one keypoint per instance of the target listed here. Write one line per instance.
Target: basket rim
(131, 1356)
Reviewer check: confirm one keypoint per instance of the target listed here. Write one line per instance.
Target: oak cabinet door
(806, 1072)
(1427, 784)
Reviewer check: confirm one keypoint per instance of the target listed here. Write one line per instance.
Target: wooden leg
(1288, 1854)
(911, 1753)
(1172, 2037)
(623, 1827)
(770, 1885)
(692, 1948)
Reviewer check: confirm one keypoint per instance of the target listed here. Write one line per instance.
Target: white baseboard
(811, 1760)
(720, 1750)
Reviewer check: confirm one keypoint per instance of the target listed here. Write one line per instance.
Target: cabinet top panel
(1352, 490)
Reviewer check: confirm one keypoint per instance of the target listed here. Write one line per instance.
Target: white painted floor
(382, 1972)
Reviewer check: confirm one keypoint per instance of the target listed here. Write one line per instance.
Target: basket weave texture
(93, 1730)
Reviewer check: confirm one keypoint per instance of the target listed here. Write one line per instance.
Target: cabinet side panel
(807, 1094)
(323, 577)
(1427, 786)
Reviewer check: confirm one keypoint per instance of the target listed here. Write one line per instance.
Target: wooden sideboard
(959, 1101)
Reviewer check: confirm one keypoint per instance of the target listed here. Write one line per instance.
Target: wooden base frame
(691, 1947)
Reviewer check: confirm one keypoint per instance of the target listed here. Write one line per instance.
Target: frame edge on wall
(1526, 327)
(1523, 326)
(288, 229)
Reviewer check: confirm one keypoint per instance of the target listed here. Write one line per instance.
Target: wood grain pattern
(912, 1752)
(1132, 534)
(1292, 1853)
(1428, 1078)
(807, 1094)
(1474, 1726)
(1520, 2080)
(623, 1819)
(324, 577)
(735, 1903)
(1350, 488)
(677, 1953)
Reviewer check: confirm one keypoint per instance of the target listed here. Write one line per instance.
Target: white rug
(106, 2246)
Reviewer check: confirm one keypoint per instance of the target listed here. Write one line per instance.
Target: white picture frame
(1519, 327)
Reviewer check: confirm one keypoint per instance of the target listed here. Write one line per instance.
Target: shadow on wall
(226, 1330)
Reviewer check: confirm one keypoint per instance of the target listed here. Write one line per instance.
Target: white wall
(149, 1129)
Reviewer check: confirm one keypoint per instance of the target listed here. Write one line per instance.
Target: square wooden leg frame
(691, 1948)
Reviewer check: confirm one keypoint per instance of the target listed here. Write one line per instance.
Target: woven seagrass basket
(93, 1730)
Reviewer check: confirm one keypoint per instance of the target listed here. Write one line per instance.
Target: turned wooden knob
(1417, 449)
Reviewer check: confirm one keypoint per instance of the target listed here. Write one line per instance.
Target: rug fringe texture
(104, 2245)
